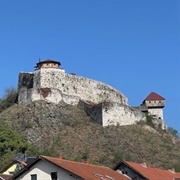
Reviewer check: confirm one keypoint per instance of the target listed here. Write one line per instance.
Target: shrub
(173, 132)
(8, 99)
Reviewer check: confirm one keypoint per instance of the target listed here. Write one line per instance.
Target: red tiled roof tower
(154, 96)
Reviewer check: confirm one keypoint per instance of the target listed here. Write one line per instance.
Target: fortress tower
(47, 64)
(155, 104)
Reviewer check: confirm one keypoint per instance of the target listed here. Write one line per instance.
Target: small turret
(154, 100)
(155, 104)
(47, 64)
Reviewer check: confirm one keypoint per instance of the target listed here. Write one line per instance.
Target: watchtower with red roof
(47, 64)
(155, 104)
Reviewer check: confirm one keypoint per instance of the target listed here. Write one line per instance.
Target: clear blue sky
(132, 45)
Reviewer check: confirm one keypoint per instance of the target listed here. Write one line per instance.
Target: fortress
(103, 103)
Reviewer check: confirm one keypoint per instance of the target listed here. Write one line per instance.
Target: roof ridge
(143, 170)
(75, 162)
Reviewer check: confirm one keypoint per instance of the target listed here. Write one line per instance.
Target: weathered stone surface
(69, 88)
(25, 80)
(102, 102)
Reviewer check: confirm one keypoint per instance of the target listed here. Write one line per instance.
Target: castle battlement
(50, 83)
(54, 85)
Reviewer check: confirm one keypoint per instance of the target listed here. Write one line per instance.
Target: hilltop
(105, 104)
(67, 130)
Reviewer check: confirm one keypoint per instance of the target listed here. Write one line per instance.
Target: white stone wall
(70, 88)
(118, 114)
(158, 112)
(43, 170)
(25, 95)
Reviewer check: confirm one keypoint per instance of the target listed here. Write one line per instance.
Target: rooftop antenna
(39, 59)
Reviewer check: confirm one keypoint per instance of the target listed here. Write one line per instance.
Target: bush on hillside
(8, 98)
(173, 132)
(10, 144)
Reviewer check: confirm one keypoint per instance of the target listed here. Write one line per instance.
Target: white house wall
(43, 170)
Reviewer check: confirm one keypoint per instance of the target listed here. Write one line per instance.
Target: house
(50, 168)
(13, 167)
(137, 171)
(19, 162)
(155, 104)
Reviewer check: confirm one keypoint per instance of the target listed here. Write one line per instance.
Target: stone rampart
(119, 114)
(103, 103)
(110, 113)
(55, 85)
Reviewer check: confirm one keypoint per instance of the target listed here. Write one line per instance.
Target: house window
(33, 176)
(149, 101)
(54, 176)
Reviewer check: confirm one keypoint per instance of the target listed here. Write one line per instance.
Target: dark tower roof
(48, 61)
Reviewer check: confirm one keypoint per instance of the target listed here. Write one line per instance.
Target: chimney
(172, 170)
(144, 164)
(59, 156)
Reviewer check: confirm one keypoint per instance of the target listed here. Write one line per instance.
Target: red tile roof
(153, 96)
(153, 173)
(85, 171)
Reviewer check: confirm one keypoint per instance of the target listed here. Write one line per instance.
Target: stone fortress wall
(157, 111)
(119, 114)
(103, 103)
(55, 85)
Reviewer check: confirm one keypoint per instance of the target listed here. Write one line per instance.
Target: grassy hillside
(67, 130)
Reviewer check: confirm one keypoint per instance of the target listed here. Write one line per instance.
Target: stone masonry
(102, 102)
